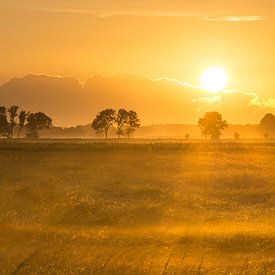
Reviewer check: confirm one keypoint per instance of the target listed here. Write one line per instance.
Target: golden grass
(137, 208)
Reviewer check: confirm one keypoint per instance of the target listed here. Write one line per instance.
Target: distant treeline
(211, 124)
(16, 123)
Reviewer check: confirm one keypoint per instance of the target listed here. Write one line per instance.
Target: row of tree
(12, 118)
(212, 124)
(125, 122)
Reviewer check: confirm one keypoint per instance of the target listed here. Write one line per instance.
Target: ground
(145, 207)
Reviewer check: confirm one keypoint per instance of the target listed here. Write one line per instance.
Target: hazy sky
(157, 38)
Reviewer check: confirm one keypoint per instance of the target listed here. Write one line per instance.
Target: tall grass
(137, 208)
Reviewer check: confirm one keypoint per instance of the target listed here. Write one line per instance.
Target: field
(137, 208)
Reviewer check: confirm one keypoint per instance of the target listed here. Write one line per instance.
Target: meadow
(145, 207)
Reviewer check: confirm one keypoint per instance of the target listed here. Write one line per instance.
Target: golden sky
(156, 38)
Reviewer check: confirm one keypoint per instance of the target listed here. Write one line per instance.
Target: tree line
(123, 121)
(212, 124)
(11, 118)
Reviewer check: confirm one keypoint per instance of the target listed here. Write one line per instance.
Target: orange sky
(156, 38)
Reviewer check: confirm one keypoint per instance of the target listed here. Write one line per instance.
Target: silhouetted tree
(12, 114)
(103, 121)
(35, 122)
(212, 124)
(267, 126)
(187, 136)
(22, 120)
(4, 124)
(132, 123)
(120, 121)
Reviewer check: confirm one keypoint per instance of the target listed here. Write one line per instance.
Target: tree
(22, 120)
(35, 122)
(4, 124)
(132, 122)
(12, 113)
(267, 125)
(120, 121)
(103, 121)
(212, 124)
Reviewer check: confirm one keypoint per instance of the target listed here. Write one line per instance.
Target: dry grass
(137, 208)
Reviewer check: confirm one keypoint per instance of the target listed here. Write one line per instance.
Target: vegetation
(132, 122)
(12, 112)
(33, 122)
(267, 126)
(211, 125)
(23, 115)
(125, 122)
(36, 122)
(120, 121)
(4, 124)
(103, 121)
(109, 208)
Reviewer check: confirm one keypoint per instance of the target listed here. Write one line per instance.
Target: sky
(174, 39)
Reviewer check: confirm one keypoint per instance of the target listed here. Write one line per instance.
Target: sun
(213, 80)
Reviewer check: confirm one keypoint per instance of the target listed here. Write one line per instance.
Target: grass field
(159, 208)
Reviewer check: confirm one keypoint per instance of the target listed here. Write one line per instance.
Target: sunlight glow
(213, 80)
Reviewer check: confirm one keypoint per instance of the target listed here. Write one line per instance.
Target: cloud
(263, 103)
(107, 13)
(208, 99)
(250, 18)
(107, 9)
(158, 101)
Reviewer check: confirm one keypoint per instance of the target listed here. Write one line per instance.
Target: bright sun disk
(213, 80)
